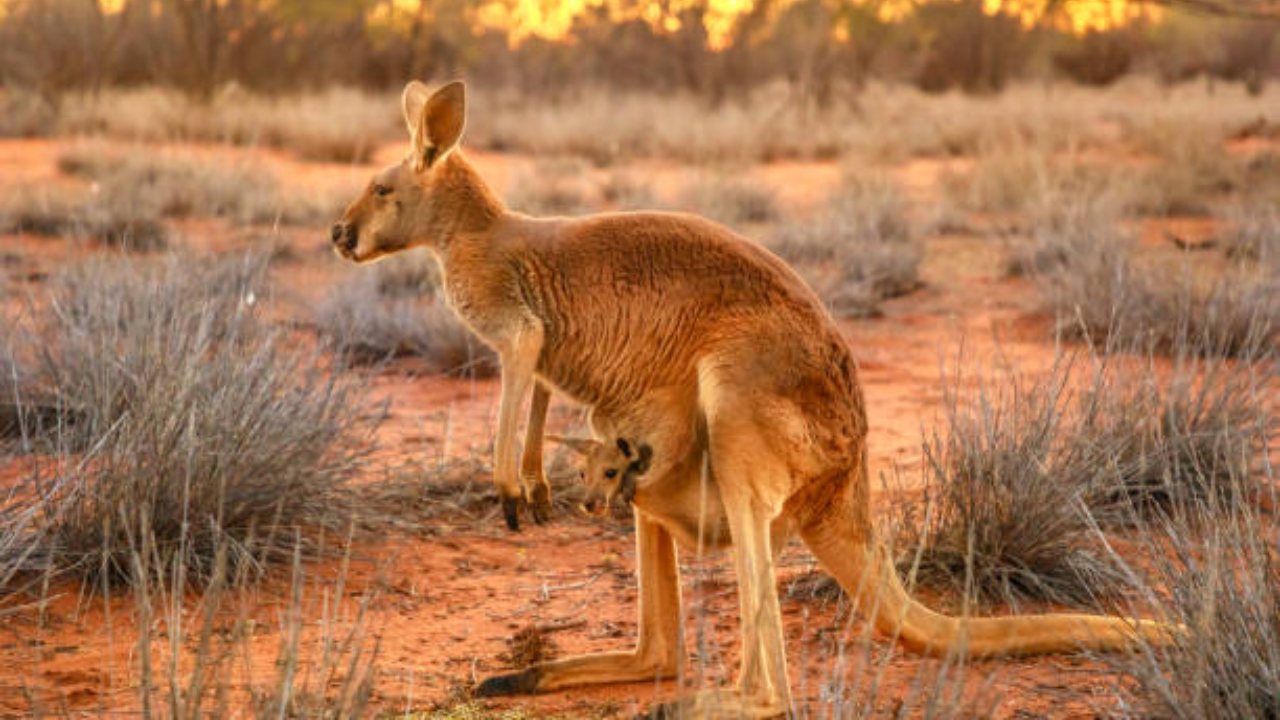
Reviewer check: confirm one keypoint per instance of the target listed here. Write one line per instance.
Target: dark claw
(511, 511)
(524, 682)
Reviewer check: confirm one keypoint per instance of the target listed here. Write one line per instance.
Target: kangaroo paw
(511, 511)
(524, 682)
(540, 504)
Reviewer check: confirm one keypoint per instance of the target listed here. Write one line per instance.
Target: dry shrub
(421, 497)
(459, 706)
(24, 113)
(1101, 293)
(395, 310)
(1026, 465)
(194, 653)
(123, 225)
(859, 250)
(188, 425)
(1190, 171)
(1005, 498)
(338, 125)
(427, 496)
(1183, 440)
(604, 125)
(1062, 225)
(165, 185)
(1010, 174)
(1218, 574)
(1085, 267)
(730, 199)
(553, 186)
(529, 645)
(623, 190)
(1253, 233)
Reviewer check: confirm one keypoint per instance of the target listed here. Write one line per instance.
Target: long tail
(864, 569)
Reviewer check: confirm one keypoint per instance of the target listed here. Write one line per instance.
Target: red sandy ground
(449, 597)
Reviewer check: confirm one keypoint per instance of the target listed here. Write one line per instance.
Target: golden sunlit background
(716, 48)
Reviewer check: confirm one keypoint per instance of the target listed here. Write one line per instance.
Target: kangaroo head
(608, 469)
(407, 204)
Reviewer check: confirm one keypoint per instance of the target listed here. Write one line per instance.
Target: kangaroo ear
(412, 101)
(582, 446)
(625, 447)
(435, 121)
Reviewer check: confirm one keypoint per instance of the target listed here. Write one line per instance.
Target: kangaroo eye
(381, 190)
(611, 473)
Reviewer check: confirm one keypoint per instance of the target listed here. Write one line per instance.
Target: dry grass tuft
(1012, 175)
(1063, 226)
(862, 682)
(605, 126)
(624, 190)
(194, 652)
(430, 496)
(394, 310)
(1219, 576)
(1005, 502)
(1100, 292)
(23, 113)
(337, 125)
(466, 709)
(528, 645)
(160, 185)
(1253, 233)
(553, 186)
(1026, 465)
(127, 227)
(1188, 167)
(859, 250)
(204, 430)
(730, 199)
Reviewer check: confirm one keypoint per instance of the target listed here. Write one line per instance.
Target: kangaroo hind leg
(659, 649)
(751, 482)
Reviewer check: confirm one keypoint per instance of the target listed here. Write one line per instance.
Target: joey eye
(611, 473)
(381, 190)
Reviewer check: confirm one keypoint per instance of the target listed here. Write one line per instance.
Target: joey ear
(641, 465)
(439, 123)
(625, 447)
(582, 446)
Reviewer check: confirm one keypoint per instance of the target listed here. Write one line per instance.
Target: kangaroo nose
(336, 233)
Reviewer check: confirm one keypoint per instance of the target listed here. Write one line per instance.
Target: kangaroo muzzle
(344, 236)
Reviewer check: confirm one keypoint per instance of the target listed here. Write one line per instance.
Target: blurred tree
(819, 44)
(1097, 58)
(717, 49)
(53, 46)
(966, 47)
(1248, 50)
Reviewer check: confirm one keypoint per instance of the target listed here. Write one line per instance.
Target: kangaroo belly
(691, 529)
(701, 532)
